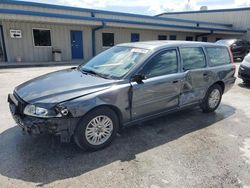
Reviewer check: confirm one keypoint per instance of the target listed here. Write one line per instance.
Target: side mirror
(139, 78)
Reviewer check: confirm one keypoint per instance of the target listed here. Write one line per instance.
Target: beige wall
(60, 38)
(124, 35)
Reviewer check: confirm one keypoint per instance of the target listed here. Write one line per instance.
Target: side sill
(153, 116)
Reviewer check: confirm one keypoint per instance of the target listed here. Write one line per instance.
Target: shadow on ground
(33, 159)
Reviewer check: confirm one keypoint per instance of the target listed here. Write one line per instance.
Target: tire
(209, 104)
(88, 129)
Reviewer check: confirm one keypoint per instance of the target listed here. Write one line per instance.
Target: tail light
(232, 58)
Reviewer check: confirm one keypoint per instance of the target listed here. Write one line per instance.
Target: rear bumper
(238, 55)
(33, 125)
(229, 84)
(244, 72)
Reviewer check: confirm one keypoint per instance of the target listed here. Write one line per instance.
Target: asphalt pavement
(184, 149)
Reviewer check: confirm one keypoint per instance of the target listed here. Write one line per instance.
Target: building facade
(30, 32)
(238, 17)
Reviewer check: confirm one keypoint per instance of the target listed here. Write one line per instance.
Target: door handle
(175, 81)
(205, 74)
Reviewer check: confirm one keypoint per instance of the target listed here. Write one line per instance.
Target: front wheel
(212, 99)
(97, 129)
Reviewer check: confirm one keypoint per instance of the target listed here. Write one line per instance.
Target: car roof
(167, 43)
(228, 39)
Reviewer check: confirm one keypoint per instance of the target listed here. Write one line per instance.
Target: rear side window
(192, 58)
(218, 56)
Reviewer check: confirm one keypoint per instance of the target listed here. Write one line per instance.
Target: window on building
(42, 37)
(217, 39)
(192, 58)
(135, 37)
(218, 56)
(162, 37)
(204, 39)
(172, 37)
(107, 39)
(189, 38)
(161, 64)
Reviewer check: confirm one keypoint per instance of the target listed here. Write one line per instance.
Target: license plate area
(18, 103)
(13, 109)
(13, 100)
(16, 117)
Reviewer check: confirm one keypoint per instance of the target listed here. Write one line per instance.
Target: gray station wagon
(124, 85)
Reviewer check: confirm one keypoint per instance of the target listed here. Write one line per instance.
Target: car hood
(60, 86)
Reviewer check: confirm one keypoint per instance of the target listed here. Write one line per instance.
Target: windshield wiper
(93, 73)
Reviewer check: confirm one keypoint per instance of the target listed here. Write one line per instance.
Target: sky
(149, 7)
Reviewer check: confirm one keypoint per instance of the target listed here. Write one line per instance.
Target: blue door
(76, 44)
(135, 37)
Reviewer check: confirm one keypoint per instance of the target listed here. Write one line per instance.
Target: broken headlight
(36, 111)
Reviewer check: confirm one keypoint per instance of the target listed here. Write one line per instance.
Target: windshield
(226, 42)
(114, 62)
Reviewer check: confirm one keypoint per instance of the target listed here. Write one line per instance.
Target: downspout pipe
(203, 35)
(94, 39)
(3, 44)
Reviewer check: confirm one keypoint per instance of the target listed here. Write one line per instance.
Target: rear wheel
(212, 99)
(97, 129)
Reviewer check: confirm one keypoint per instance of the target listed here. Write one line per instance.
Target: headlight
(36, 111)
(247, 59)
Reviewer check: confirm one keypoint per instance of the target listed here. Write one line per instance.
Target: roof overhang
(112, 13)
(24, 15)
(206, 11)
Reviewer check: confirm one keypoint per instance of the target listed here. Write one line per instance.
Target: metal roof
(108, 20)
(120, 22)
(25, 3)
(206, 11)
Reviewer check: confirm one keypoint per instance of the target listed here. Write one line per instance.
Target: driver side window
(161, 64)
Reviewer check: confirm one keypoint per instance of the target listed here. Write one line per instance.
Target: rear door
(160, 91)
(197, 76)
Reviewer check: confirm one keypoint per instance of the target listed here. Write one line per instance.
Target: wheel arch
(112, 107)
(221, 84)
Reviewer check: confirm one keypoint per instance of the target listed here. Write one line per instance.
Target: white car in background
(244, 70)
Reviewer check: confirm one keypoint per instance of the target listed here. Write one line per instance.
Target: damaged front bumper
(63, 126)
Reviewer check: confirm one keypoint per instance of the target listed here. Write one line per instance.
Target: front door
(161, 89)
(76, 44)
(135, 37)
